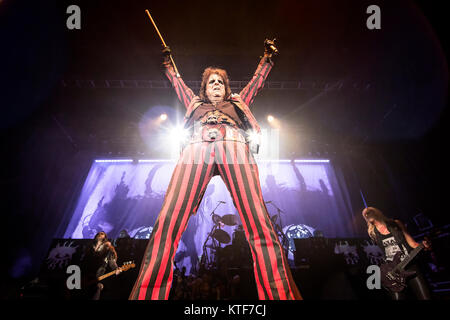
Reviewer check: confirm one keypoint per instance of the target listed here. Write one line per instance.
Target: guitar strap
(399, 236)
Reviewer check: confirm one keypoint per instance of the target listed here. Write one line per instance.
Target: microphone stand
(216, 208)
(278, 213)
(281, 234)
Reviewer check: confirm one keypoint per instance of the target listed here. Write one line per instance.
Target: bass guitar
(88, 282)
(125, 267)
(393, 273)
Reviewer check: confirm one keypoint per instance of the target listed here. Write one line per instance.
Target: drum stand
(206, 260)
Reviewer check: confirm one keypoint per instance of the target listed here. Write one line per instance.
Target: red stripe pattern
(257, 82)
(195, 168)
(192, 174)
(184, 93)
(248, 93)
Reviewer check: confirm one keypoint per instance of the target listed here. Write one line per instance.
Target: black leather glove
(166, 53)
(269, 48)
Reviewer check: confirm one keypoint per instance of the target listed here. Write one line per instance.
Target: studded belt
(217, 132)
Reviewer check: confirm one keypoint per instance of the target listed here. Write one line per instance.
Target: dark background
(386, 127)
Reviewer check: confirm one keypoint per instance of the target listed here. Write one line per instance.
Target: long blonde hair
(371, 212)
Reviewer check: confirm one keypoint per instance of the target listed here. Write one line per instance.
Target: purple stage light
(113, 160)
(125, 194)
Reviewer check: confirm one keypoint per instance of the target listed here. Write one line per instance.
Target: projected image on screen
(128, 196)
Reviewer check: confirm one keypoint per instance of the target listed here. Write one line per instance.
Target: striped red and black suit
(195, 168)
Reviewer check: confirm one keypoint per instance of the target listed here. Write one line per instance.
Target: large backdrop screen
(127, 194)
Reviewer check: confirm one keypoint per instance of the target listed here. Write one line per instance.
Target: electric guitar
(125, 267)
(89, 281)
(393, 273)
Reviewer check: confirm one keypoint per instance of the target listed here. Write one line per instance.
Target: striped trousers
(198, 163)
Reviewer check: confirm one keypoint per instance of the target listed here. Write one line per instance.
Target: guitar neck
(408, 259)
(106, 275)
(125, 267)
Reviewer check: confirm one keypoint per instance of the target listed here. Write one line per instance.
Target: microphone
(268, 201)
(271, 44)
(274, 49)
(222, 201)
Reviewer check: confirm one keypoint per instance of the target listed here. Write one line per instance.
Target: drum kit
(217, 237)
(217, 248)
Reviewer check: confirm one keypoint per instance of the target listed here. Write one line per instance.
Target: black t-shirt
(391, 246)
(96, 262)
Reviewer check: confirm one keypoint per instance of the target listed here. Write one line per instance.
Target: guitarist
(98, 257)
(392, 237)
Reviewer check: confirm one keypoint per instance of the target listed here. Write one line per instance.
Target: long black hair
(98, 235)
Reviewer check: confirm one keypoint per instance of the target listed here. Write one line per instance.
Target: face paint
(215, 89)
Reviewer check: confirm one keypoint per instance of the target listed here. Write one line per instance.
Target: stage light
(178, 134)
(314, 161)
(163, 117)
(142, 233)
(176, 138)
(254, 139)
(154, 160)
(114, 160)
(273, 122)
(254, 136)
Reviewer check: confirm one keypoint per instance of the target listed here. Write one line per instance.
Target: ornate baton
(164, 44)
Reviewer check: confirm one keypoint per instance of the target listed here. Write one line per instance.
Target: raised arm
(259, 77)
(184, 93)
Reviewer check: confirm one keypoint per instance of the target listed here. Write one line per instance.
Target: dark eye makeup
(212, 81)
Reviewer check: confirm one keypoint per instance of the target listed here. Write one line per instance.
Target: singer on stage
(219, 144)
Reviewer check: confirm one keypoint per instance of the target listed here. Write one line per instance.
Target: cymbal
(229, 219)
(216, 218)
(221, 236)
